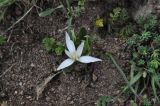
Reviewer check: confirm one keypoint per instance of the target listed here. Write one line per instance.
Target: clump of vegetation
(52, 45)
(120, 22)
(145, 57)
(73, 12)
(2, 40)
(78, 10)
(119, 16)
(148, 23)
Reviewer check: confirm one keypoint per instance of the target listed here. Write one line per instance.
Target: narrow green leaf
(4, 3)
(134, 80)
(123, 74)
(154, 87)
(49, 11)
(82, 33)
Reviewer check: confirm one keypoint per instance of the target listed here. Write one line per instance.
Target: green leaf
(82, 33)
(4, 3)
(2, 40)
(88, 45)
(154, 87)
(134, 80)
(49, 11)
(73, 36)
(104, 100)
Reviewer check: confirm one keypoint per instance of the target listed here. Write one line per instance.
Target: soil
(28, 63)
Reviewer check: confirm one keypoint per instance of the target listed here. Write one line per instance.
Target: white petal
(88, 59)
(65, 64)
(68, 54)
(70, 44)
(67, 36)
(80, 49)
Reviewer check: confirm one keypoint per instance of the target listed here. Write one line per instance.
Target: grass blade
(123, 75)
(49, 11)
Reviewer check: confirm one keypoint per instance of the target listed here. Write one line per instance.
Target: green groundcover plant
(145, 63)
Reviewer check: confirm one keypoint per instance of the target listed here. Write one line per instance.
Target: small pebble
(28, 97)
(72, 102)
(51, 19)
(48, 98)
(20, 84)
(94, 77)
(32, 65)
(21, 93)
(15, 92)
(73, 93)
(68, 98)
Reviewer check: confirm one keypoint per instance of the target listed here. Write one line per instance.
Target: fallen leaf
(40, 88)
(94, 77)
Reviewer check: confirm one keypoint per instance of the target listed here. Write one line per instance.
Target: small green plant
(118, 23)
(146, 101)
(127, 30)
(53, 46)
(145, 36)
(2, 40)
(73, 12)
(79, 9)
(104, 100)
(75, 54)
(49, 44)
(119, 15)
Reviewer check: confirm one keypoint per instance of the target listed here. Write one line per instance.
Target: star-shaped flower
(75, 55)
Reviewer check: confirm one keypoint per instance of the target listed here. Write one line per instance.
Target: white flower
(75, 55)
